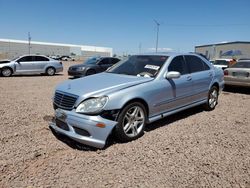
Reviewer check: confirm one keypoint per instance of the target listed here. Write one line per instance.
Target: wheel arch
(216, 84)
(140, 100)
(8, 68)
(49, 66)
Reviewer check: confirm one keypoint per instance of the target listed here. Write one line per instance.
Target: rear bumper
(237, 81)
(59, 69)
(74, 122)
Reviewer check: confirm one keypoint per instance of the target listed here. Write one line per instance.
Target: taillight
(225, 73)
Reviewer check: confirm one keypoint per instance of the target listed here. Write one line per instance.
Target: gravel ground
(193, 148)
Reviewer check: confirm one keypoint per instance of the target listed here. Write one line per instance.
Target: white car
(68, 58)
(222, 63)
(30, 64)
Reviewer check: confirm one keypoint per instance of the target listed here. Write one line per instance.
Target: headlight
(92, 106)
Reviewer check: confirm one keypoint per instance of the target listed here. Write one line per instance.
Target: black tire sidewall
(7, 69)
(90, 72)
(119, 132)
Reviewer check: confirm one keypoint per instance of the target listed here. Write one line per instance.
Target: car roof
(244, 60)
(224, 59)
(170, 53)
(32, 55)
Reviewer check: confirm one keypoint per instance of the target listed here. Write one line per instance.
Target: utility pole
(157, 34)
(29, 38)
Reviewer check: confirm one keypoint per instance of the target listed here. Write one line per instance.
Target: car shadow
(66, 140)
(72, 143)
(35, 75)
(173, 118)
(236, 89)
(111, 140)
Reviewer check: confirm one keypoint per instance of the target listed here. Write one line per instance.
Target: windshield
(14, 59)
(91, 61)
(140, 65)
(242, 64)
(221, 62)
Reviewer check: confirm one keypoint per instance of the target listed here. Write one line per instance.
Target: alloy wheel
(133, 121)
(213, 98)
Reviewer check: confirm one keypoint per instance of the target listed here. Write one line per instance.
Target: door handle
(210, 74)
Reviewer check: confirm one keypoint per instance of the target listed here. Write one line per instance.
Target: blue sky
(125, 24)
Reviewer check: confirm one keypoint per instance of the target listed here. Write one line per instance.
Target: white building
(13, 48)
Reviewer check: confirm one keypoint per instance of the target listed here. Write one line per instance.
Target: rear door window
(40, 58)
(195, 64)
(105, 61)
(114, 61)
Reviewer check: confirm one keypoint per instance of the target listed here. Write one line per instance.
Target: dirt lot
(194, 148)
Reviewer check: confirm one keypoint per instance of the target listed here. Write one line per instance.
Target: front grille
(62, 125)
(64, 100)
(81, 131)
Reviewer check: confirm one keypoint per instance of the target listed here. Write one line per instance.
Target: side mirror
(172, 75)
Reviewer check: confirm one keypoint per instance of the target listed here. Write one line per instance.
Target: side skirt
(165, 114)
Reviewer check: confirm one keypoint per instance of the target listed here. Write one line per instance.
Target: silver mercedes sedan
(136, 91)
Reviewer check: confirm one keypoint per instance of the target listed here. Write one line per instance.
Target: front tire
(6, 72)
(131, 122)
(90, 72)
(212, 99)
(50, 71)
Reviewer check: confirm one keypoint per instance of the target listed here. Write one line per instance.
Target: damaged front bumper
(89, 130)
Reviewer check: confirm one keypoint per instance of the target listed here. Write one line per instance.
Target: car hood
(4, 61)
(100, 84)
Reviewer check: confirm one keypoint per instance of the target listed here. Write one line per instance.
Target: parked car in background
(67, 58)
(211, 61)
(224, 63)
(238, 74)
(138, 90)
(92, 66)
(30, 64)
(56, 57)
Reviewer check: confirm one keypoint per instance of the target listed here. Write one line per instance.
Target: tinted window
(221, 62)
(194, 63)
(91, 61)
(40, 58)
(206, 67)
(104, 61)
(242, 64)
(25, 59)
(178, 64)
(138, 65)
(114, 61)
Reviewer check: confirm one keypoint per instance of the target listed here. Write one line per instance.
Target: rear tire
(50, 71)
(6, 72)
(131, 122)
(212, 99)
